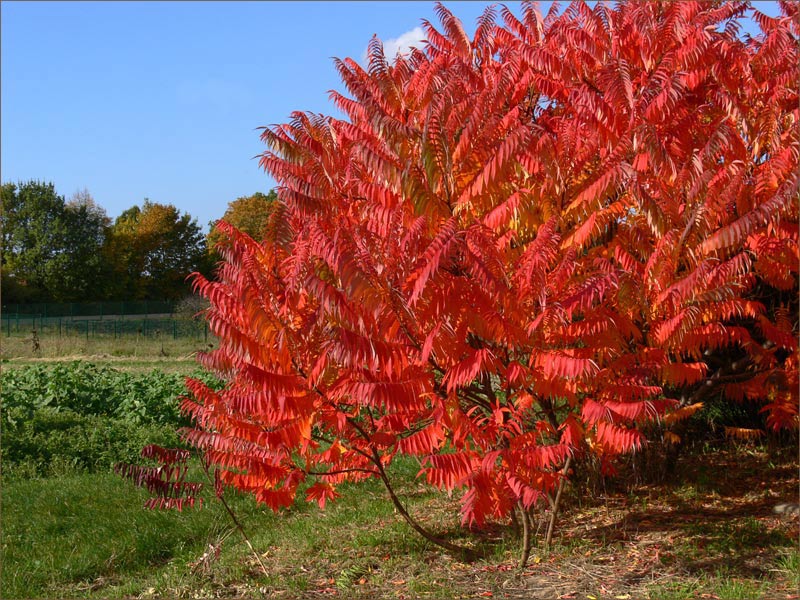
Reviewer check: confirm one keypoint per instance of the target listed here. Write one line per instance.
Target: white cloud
(400, 45)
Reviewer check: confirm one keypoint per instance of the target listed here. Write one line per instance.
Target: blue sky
(162, 99)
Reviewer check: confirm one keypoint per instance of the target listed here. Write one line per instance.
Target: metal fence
(101, 319)
(149, 327)
(89, 309)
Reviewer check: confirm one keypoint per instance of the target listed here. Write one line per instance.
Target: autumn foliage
(516, 248)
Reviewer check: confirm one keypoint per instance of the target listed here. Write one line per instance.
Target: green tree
(249, 214)
(153, 248)
(51, 248)
(83, 273)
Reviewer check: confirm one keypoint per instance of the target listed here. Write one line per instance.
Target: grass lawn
(710, 535)
(130, 353)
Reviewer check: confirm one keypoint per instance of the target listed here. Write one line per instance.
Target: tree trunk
(467, 554)
(526, 536)
(556, 502)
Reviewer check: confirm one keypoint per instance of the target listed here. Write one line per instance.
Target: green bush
(81, 417)
(54, 443)
(89, 389)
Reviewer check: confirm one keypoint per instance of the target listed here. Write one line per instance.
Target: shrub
(84, 417)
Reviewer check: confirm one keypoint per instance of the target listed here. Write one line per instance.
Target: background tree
(51, 249)
(153, 248)
(84, 273)
(248, 214)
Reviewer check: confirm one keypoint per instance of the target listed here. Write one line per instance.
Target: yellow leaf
(682, 413)
(742, 433)
(537, 560)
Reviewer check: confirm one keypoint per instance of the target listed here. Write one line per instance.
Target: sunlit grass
(20, 350)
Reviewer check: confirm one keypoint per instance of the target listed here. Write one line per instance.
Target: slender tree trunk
(515, 524)
(526, 536)
(556, 503)
(236, 522)
(467, 554)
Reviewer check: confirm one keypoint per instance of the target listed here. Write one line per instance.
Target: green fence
(144, 318)
(164, 328)
(89, 309)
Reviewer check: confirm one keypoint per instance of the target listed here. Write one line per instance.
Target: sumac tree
(516, 249)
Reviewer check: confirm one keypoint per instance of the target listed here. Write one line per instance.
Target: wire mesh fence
(139, 318)
(118, 309)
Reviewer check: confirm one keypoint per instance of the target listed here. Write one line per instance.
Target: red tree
(516, 249)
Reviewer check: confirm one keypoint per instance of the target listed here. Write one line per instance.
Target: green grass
(75, 529)
(719, 587)
(788, 564)
(88, 536)
(733, 539)
(64, 535)
(19, 350)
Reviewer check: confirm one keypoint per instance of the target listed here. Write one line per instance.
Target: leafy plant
(90, 389)
(74, 417)
(52, 443)
(517, 250)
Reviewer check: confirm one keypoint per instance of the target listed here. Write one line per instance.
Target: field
(125, 351)
(73, 529)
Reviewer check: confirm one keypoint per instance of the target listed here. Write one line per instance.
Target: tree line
(69, 250)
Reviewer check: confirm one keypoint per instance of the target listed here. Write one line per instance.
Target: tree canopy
(153, 248)
(248, 214)
(51, 248)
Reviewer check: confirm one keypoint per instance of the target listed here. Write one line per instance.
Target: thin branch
(230, 512)
(468, 554)
(341, 471)
(556, 503)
